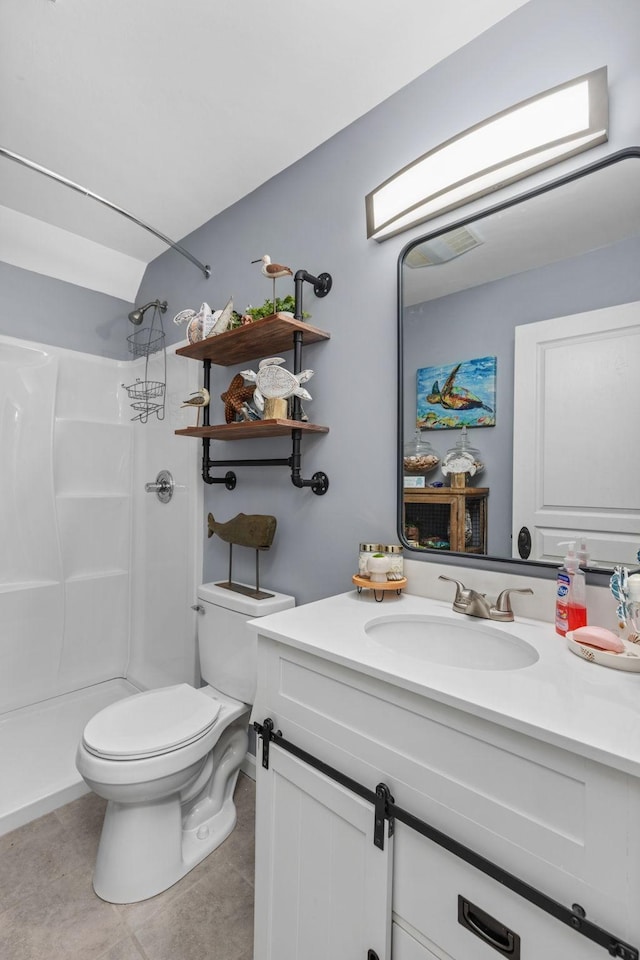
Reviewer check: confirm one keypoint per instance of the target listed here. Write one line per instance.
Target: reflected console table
(458, 516)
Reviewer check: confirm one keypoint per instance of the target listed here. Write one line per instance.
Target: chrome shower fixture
(136, 315)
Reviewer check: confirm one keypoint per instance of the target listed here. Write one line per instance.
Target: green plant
(283, 305)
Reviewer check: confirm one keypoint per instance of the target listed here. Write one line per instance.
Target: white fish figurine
(274, 382)
(199, 400)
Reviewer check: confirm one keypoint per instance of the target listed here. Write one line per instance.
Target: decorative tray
(364, 583)
(628, 659)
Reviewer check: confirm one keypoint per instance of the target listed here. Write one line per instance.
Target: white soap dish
(628, 659)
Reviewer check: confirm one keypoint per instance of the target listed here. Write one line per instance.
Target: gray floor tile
(48, 908)
(34, 856)
(125, 950)
(211, 921)
(64, 919)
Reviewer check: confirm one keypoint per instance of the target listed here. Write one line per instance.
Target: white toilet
(167, 760)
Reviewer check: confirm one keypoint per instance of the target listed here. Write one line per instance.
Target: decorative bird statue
(273, 271)
(199, 400)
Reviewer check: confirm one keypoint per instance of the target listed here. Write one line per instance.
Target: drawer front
(427, 884)
(406, 947)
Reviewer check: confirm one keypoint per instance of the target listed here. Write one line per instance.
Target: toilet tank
(227, 647)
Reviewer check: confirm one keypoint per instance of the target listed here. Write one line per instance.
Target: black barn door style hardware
(385, 808)
(319, 482)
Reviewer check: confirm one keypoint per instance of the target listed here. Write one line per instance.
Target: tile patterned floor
(48, 910)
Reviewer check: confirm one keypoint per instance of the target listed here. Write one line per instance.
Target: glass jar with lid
(462, 461)
(418, 457)
(396, 556)
(366, 550)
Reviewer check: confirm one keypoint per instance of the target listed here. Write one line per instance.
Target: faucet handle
(503, 603)
(463, 594)
(460, 587)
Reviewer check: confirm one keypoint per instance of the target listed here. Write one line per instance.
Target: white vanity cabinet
(561, 822)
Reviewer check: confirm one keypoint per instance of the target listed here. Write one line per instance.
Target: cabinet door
(322, 888)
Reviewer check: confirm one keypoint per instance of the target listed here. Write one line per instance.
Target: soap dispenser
(582, 552)
(571, 593)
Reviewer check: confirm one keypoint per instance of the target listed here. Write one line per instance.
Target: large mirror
(519, 367)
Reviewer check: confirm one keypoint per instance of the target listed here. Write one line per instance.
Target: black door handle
(488, 929)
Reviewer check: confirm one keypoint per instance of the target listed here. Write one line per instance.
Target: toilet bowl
(167, 760)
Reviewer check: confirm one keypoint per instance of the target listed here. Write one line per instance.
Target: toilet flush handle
(198, 608)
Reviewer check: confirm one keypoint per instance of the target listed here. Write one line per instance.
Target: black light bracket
(319, 482)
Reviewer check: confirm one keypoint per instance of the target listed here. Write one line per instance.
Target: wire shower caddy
(148, 395)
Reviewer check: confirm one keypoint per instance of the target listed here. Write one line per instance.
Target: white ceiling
(175, 110)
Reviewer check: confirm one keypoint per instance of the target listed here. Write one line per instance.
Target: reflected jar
(462, 461)
(419, 457)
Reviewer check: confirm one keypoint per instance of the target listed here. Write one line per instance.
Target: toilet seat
(150, 724)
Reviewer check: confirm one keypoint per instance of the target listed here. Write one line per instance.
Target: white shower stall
(97, 577)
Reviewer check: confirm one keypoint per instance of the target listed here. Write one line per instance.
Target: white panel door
(323, 889)
(576, 455)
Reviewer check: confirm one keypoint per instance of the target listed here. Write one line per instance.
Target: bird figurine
(199, 400)
(273, 271)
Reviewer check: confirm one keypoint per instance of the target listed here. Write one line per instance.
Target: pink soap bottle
(571, 593)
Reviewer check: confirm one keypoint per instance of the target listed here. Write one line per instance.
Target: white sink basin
(472, 645)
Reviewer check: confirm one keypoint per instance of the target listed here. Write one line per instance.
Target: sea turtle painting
(466, 397)
(274, 382)
(455, 398)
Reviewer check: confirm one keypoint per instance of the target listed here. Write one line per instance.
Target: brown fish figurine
(246, 530)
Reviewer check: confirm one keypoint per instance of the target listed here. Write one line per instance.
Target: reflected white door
(576, 453)
(322, 888)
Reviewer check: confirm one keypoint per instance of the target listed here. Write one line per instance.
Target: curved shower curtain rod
(107, 203)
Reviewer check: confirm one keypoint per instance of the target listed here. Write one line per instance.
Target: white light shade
(532, 135)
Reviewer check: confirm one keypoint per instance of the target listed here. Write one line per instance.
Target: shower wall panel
(65, 517)
(167, 537)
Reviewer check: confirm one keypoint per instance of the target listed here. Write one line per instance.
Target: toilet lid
(150, 723)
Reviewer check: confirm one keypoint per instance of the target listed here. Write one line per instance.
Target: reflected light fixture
(527, 137)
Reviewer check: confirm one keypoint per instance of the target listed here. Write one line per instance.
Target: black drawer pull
(488, 929)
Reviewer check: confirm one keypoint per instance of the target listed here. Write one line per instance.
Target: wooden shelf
(251, 429)
(266, 337)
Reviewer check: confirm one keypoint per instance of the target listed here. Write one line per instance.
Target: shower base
(38, 748)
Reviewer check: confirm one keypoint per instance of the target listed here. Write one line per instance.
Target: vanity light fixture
(521, 140)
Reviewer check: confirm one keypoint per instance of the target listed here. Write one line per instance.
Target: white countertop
(593, 711)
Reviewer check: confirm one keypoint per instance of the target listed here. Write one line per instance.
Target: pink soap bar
(598, 637)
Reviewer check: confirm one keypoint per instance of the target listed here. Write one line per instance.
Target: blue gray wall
(312, 216)
(35, 307)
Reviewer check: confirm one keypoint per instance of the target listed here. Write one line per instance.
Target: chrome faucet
(475, 604)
